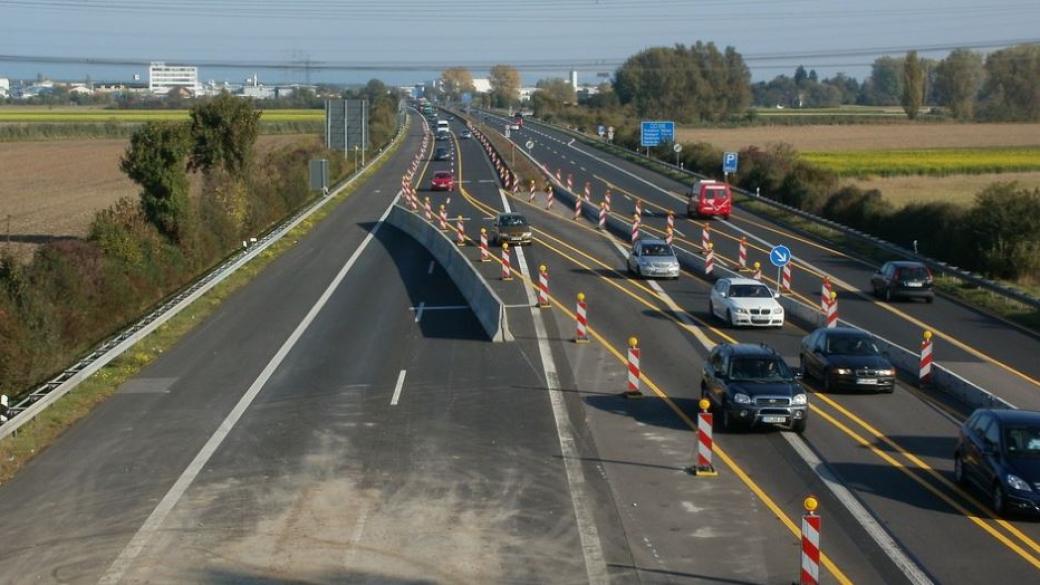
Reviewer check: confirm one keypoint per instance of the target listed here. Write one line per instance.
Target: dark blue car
(999, 452)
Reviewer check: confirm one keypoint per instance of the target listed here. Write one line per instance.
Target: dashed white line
(419, 310)
(430, 269)
(397, 388)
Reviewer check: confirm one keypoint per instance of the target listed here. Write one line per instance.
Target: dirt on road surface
(52, 189)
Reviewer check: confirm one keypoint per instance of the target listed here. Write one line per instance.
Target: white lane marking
(914, 573)
(430, 269)
(680, 234)
(397, 389)
(583, 169)
(419, 310)
(588, 533)
(359, 529)
(423, 307)
(151, 525)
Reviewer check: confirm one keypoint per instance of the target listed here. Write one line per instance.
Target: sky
(410, 41)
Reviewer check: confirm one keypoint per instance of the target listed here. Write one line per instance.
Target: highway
(343, 418)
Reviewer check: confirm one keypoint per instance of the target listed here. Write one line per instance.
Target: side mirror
(776, 295)
(722, 294)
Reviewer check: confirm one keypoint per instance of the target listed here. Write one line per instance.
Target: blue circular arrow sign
(780, 256)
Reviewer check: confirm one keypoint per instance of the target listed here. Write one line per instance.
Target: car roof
(752, 349)
(654, 241)
(907, 264)
(1014, 415)
(833, 331)
(511, 214)
(442, 173)
(739, 280)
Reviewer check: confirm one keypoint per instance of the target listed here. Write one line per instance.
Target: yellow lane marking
(929, 487)
(927, 468)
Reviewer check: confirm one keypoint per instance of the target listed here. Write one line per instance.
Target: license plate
(772, 418)
(914, 284)
(866, 381)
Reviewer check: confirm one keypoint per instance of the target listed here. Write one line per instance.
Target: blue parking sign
(729, 162)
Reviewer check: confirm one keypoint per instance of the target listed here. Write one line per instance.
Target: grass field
(69, 115)
(958, 189)
(822, 138)
(933, 161)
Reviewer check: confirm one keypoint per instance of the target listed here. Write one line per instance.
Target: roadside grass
(39, 433)
(931, 162)
(32, 131)
(68, 115)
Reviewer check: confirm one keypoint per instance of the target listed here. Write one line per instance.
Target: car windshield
(750, 291)
(1022, 440)
(657, 250)
(513, 220)
(442, 175)
(712, 192)
(851, 345)
(915, 273)
(759, 369)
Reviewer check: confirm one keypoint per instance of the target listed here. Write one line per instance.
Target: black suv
(441, 154)
(750, 385)
(998, 452)
(903, 278)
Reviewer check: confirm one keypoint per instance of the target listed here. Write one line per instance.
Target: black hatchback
(998, 452)
(903, 279)
(843, 358)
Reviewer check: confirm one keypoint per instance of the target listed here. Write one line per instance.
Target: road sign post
(677, 148)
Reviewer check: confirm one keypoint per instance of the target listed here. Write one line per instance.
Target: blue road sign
(653, 133)
(780, 255)
(729, 162)
(467, 97)
(601, 130)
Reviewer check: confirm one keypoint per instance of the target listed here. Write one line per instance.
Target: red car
(710, 198)
(443, 181)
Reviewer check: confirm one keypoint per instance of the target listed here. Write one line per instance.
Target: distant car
(843, 358)
(443, 181)
(512, 228)
(903, 279)
(745, 301)
(442, 153)
(652, 257)
(466, 134)
(750, 385)
(998, 452)
(443, 135)
(709, 198)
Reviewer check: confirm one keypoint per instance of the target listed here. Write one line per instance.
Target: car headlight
(1017, 483)
(842, 371)
(886, 372)
(527, 234)
(800, 399)
(742, 311)
(778, 311)
(741, 398)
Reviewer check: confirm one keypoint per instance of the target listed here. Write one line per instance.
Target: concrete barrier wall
(486, 305)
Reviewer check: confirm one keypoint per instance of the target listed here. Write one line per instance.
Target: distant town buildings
(162, 78)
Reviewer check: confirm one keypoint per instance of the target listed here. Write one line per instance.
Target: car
(745, 301)
(442, 153)
(466, 134)
(903, 279)
(653, 257)
(750, 385)
(443, 181)
(442, 135)
(512, 228)
(998, 452)
(844, 358)
(709, 198)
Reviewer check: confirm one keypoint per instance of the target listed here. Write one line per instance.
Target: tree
(913, 85)
(957, 81)
(1012, 87)
(156, 160)
(558, 90)
(800, 76)
(884, 87)
(1004, 225)
(457, 81)
(224, 131)
(505, 85)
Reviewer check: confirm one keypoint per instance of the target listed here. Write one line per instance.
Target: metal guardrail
(936, 265)
(32, 404)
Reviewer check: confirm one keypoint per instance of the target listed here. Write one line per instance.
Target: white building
(162, 78)
(5, 87)
(482, 85)
(574, 79)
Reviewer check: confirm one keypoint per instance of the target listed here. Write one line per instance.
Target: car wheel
(725, 422)
(930, 299)
(888, 294)
(711, 308)
(729, 318)
(958, 469)
(725, 218)
(799, 426)
(998, 503)
(801, 365)
(826, 379)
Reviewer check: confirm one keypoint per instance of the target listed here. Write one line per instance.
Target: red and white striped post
(785, 278)
(570, 183)
(832, 311)
(534, 191)
(925, 371)
(705, 237)
(582, 317)
(558, 171)
(507, 272)
(460, 232)
(810, 572)
(670, 229)
(705, 441)
(825, 293)
(429, 210)
(742, 253)
(543, 287)
(577, 208)
(548, 196)
(443, 218)
(632, 390)
(709, 260)
(639, 207)
(603, 215)
(485, 256)
(635, 227)
(588, 190)
(516, 182)
(757, 274)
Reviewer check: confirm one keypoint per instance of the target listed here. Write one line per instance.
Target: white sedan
(744, 301)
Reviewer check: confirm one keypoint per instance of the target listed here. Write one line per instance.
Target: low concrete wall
(486, 305)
